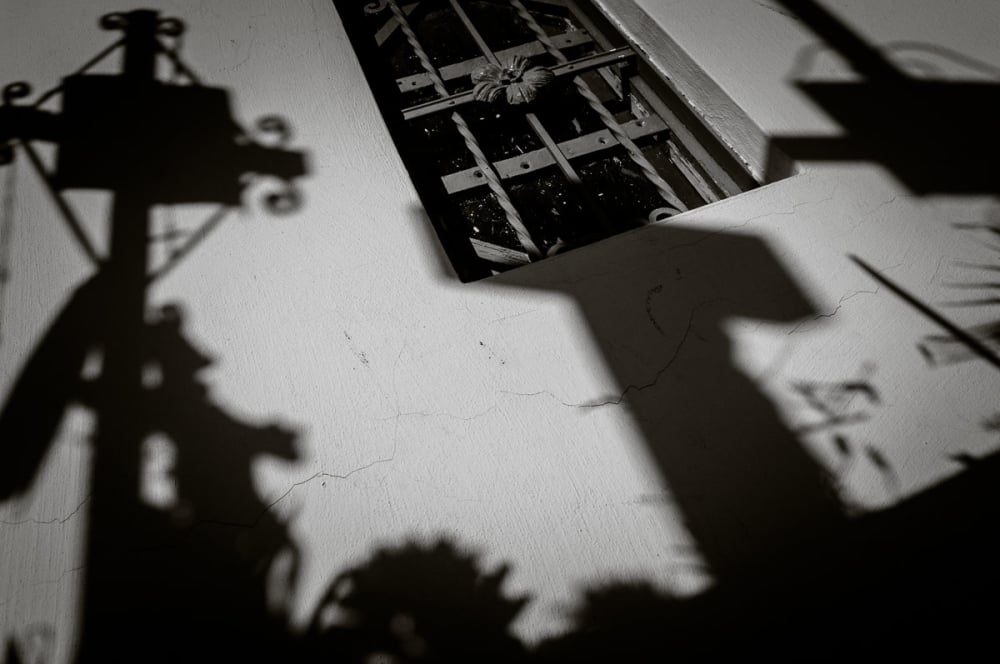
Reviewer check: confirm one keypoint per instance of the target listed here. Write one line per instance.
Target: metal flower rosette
(520, 81)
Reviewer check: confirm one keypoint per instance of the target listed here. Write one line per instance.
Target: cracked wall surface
(531, 417)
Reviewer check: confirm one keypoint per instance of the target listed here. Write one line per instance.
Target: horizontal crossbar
(466, 67)
(572, 68)
(529, 162)
(390, 26)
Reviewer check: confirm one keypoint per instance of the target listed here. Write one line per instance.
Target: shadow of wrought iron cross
(143, 139)
(147, 142)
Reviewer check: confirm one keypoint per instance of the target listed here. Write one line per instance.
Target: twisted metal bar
(482, 163)
(666, 193)
(539, 130)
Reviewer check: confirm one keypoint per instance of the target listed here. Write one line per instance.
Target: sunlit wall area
(247, 402)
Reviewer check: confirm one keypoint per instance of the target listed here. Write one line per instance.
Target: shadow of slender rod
(960, 335)
(67, 213)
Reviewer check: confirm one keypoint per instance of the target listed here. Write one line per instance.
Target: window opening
(531, 127)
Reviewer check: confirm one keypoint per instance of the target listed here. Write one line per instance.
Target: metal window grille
(531, 127)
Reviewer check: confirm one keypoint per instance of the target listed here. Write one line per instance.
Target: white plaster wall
(425, 406)
(754, 55)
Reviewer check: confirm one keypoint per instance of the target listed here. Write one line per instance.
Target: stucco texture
(666, 407)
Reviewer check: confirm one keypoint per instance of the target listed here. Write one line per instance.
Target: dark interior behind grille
(574, 144)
